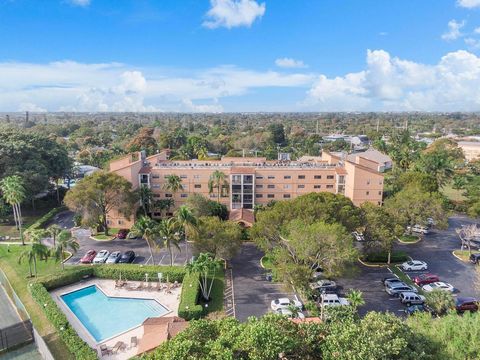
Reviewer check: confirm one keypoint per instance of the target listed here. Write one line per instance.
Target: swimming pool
(104, 316)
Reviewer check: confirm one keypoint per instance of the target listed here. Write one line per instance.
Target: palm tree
(13, 192)
(440, 301)
(355, 297)
(65, 242)
(188, 222)
(168, 232)
(54, 230)
(206, 266)
(36, 250)
(173, 184)
(146, 196)
(218, 180)
(146, 228)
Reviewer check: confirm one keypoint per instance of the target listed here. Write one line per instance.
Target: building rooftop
(370, 154)
(242, 162)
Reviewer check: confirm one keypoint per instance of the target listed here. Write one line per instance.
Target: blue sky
(239, 55)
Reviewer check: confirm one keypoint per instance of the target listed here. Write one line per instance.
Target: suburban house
(252, 180)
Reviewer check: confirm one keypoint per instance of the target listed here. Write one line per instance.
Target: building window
(286, 196)
(183, 176)
(287, 177)
(317, 177)
(183, 195)
(380, 193)
(157, 214)
(168, 195)
(155, 176)
(169, 214)
(330, 177)
(156, 195)
(368, 193)
(120, 222)
(301, 177)
(329, 186)
(380, 182)
(271, 186)
(270, 196)
(156, 186)
(259, 195)
(259, 177)
(198, 186)
(317, 186)
(259, 186)
(196, 177)
(109, 222)
(271, 177)
(368, 182)
(287, 186)
(301, 186)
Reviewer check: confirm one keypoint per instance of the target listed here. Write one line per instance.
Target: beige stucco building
(471, 149)
(252, 181)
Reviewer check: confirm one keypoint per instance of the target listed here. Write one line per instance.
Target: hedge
(69, 336)
(137, 273)
(67, 277)
(382, 257)
(40, 223)
(188, 307)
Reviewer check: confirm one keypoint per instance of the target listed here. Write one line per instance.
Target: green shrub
(67, 277)
(74, 343)
(382, 257)
(135, 272)
(40, 223)
(188, 307)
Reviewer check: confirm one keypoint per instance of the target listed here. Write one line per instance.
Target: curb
(98, 240)
(459, 258)
(371, 265)
(68, 257)
(419, 238)
(261, 262)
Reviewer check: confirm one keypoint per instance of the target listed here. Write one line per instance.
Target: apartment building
(252, 181)
(471, 149)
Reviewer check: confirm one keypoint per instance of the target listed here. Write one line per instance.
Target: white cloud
(469, 4)
(233, 13)
(289, 63)
(477, 30)
(393, 84)
(472, 43)
(73, 86)
(82, 3)
(454, 30)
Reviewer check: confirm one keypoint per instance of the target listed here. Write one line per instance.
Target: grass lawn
(216, 302)
(266, 262)
(102, 237)
(464, 255)
(453, 194)
(409, 238)
(9, 229)
(18, 277)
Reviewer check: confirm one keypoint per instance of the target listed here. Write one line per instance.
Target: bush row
(69, 336)
(136, 272)
(188, 307)
(382, 257)
(40, 223)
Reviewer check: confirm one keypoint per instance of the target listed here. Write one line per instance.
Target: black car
(127, 257)
(475, 258)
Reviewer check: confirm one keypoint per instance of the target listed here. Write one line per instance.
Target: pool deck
(168, 300)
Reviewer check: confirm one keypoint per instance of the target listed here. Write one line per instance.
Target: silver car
(114, 257)
(396, 289)
(101, 257)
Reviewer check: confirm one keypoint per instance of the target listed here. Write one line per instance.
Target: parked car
(122, 234)
(466, 304)
(358, 236)
(439, 285)
(475, 258)
(391, 280)
(88, 257)
(114, 257)
(288, 313)
(395, 289)
(127, 257)
(410, 298)
(412, 309)
(101, 257)
(285, 303)
(414, 265)
(424, 279)
(431, 222)
(132, 235)
(418, 229)
(323, 285)
(332, 300)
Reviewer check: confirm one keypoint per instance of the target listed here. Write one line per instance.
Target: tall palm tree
(146, 196)
(205, 265)
(173, 184)
(218, 180)
(65, 242)
(168, 230)
(34, 251)
(147, 229)
(13, 191)
(188, 221)
(54, 230)
(355, 298)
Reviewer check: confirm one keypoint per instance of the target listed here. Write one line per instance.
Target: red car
(88, 257)
(122, 234)
(466, 304)
(425, 279)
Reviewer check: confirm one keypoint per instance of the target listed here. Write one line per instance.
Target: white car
(419, 229)
(322, 285)
(114, 257)
(439, 285)
(413, 265)
(101, 257)
(332, 300)
(288, 313)
(358, 236)
(284, 303)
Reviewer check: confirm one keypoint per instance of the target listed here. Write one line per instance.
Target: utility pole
(378, 124)
(316, 129)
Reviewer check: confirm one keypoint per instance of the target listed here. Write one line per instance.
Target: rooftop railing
(265, 165)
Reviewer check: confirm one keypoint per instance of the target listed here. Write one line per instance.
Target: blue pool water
(105, 316)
